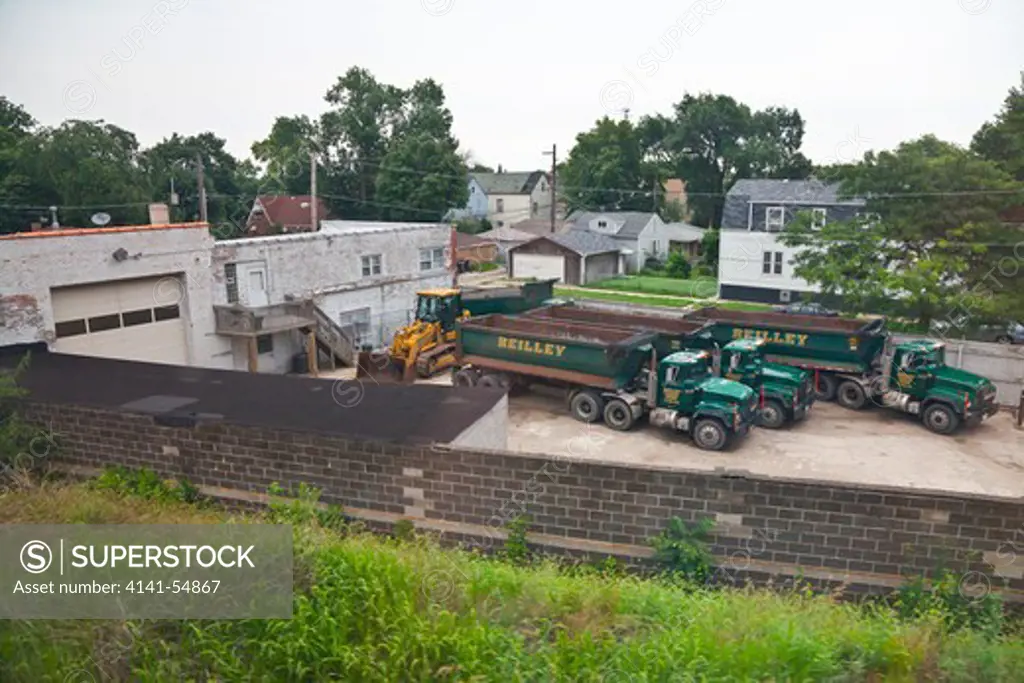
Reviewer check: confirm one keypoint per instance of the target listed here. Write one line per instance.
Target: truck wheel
(710, 435)
(618, 415)
(586, 406)
(826, 388)
(773, 415)
(851, 395)
(464, 378)
(940, 418)
(494, 382)
(1003, 339)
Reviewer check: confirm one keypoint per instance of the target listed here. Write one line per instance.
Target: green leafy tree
(927, 242)
(285, 155)
(426, 195)
(18, 185)
(709, 245)
(1002, 140)
(677, 266)
(607, 170)
(712, 140)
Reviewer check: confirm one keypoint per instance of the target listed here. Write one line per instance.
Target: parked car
(1000, 333)
(806, 308)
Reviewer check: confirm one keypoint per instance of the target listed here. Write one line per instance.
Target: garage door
(540, 266)
(131, 319)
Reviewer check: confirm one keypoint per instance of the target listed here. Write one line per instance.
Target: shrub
(677, 266)
(683, 549)
(516, 549)
(952, 599)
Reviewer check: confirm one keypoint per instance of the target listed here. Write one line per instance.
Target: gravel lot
(835, 444)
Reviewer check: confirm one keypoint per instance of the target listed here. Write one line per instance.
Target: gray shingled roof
(811, 191)
(508, 183)
(684, 232)
(584, 242)
(633, 222)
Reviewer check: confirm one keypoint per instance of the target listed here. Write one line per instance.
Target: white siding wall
(653, 233)
(516, 209)
(740, 259)
(31, 266)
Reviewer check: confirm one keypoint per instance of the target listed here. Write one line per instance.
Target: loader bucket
(380, 367)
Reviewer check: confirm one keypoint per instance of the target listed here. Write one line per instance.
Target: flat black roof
(346, 408)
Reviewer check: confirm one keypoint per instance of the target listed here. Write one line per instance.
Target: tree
(87, 167)
(224, 179)
(285, 155)
(927, 241)
(17, 185)
(709, 245)
(1002, 141)
(677, 266)
(425, 195)
(712, 140)
(606, 170)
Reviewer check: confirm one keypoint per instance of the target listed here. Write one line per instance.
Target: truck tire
(940, 418)
(710, 434)
(618, 415)
(851, 395)
(825, 390)
(494, 381)
(464, 378)
(773, 415)
(586, 406)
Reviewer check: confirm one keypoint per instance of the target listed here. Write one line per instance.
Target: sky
(520, 76)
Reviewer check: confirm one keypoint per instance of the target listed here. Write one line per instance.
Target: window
(71, 328)
(500, 204)
(818, 218)
(167, 313)
(104, 322)
(141, 317)
(536, 206)
(231, 282)
(543, 186)
(672, 375)
(371, 265)
(772, 263)
(264, 344)
(602, 224)
(501, 224)
(432, 259)
(774, 218)
(356, 325)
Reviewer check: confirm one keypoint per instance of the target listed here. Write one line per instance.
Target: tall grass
(374, 609)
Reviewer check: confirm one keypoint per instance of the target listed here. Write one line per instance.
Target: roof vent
(304, 205)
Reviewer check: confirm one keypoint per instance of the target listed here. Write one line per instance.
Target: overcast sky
(518, 76)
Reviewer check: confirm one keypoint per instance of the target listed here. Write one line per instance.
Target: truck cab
(919, 382)
(685, 394)
(785, 393)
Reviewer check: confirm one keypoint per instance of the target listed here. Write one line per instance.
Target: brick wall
(765, 527)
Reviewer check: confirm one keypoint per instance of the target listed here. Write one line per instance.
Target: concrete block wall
(819, 530)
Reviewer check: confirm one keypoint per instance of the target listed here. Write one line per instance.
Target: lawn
(652, 299)
(696, 288)
(373, 609)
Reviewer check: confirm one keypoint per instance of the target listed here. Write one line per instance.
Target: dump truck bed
(812, 342)
(673, 334)
(577, 353)
(507, 300)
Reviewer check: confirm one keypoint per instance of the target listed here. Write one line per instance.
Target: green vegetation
(369, 608)
(702, 288)
(652, 300)
(683, 549)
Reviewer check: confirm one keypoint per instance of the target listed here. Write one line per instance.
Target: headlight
(736, 419)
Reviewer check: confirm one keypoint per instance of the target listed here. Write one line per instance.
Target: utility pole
(554, 169)
(201, 176)
(313, 217)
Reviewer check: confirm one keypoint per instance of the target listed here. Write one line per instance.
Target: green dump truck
(785, 393)
(856, 362)
(610, 374)
(507, 300)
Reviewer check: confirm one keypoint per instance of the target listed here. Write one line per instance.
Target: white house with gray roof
(639, 235)
(506, 198)
(752, 264)
(576, 257)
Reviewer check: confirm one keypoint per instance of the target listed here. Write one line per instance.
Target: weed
(952, 601)
(404, 530)
(517, 551)
(682, 548)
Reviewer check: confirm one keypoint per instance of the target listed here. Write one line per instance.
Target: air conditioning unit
(784, 296)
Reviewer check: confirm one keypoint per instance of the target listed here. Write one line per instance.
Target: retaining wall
(864, 536)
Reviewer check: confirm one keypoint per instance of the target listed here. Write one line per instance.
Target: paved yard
(872, 447)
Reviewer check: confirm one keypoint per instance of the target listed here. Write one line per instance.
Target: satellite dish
(100, 218)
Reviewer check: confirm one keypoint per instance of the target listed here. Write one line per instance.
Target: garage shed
(575, 257)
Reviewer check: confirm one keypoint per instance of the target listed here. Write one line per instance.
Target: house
(505, 239)
(675, 194)
(475, 249)
(508, 197)
(575, 257)
(278, 214)
(684, 238)
(752, 264)
(639, 235)
(171, 294)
